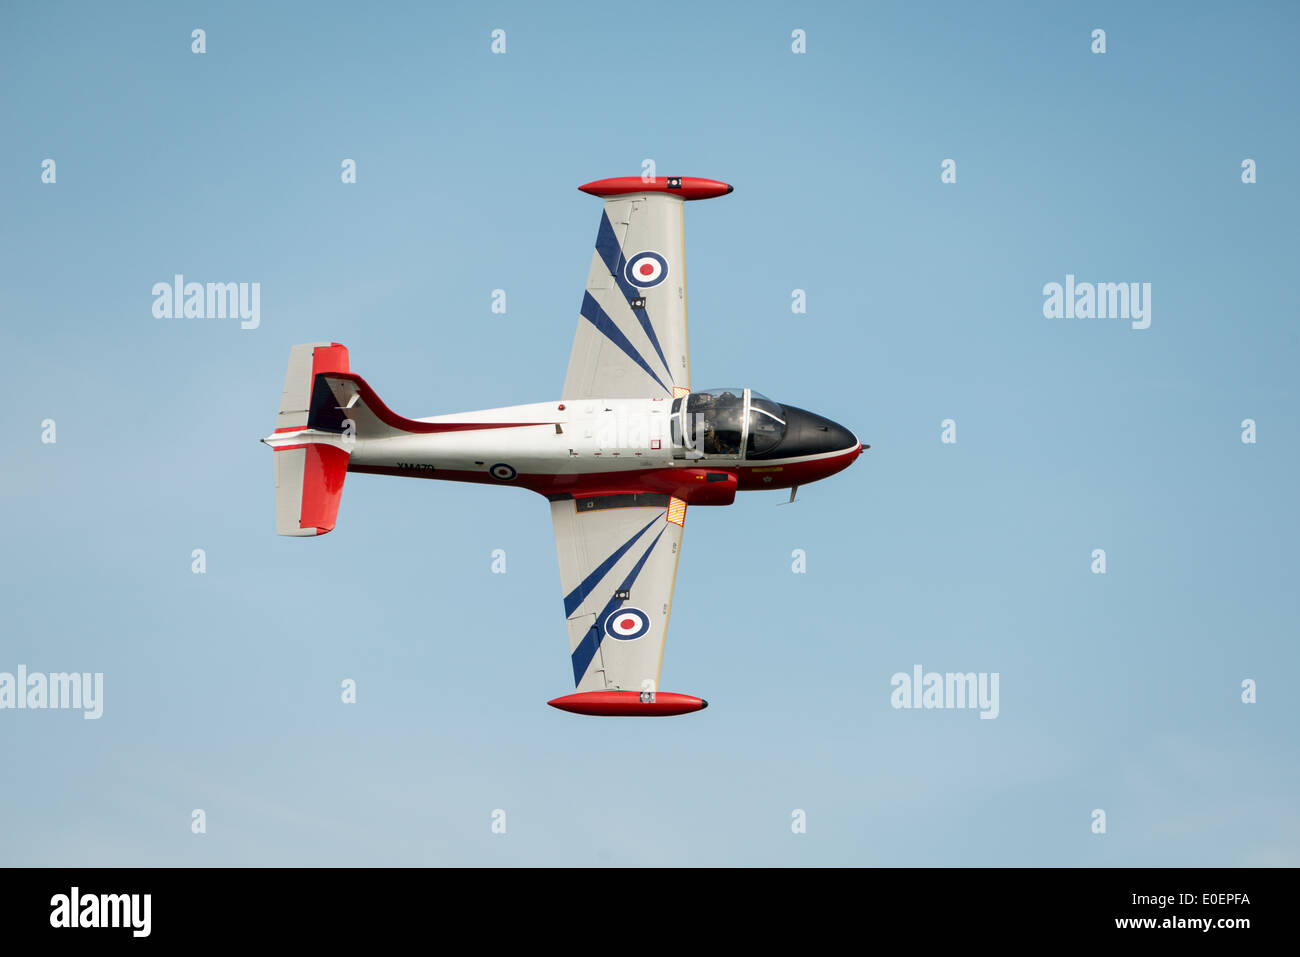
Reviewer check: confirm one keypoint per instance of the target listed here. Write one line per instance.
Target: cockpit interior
(721, 421)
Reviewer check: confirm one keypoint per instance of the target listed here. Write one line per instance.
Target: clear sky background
(222, 691)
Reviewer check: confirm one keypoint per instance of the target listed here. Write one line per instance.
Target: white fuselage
(575, 436)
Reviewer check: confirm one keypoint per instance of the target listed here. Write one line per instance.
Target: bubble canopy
(720, 422)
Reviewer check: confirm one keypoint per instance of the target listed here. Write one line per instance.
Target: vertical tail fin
(305, 362)
(309, 473)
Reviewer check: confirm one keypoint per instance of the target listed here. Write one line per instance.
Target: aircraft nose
(838, 438)
(820, 434)
(810, 434)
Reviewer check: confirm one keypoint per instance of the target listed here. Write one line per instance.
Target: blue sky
(1118, 691)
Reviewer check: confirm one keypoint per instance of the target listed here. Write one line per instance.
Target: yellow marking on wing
(676, 511)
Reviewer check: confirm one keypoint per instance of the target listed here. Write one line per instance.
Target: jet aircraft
(627, 447)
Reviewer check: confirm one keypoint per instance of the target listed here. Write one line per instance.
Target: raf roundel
(503, 472)
(627, 623)
(646, 269)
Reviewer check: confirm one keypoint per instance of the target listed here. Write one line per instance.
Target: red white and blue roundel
(646, 269)
(627, 623)
(503, 472)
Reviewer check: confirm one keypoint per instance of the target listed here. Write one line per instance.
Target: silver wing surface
(631, 339)
(618, 562)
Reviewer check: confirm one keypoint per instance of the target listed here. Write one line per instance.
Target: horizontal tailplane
(308, 486)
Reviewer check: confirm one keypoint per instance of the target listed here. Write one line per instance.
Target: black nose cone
(807, 433)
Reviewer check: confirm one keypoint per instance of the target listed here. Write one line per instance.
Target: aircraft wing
(631, 339)
(618, 562)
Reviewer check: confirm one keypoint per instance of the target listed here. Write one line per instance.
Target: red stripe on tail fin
(330, 358)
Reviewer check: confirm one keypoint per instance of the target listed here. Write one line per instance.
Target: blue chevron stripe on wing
(611, 253)
(597, 316)
(590, 643)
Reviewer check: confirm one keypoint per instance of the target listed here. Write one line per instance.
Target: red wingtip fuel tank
(687, 187)
(629, 704)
